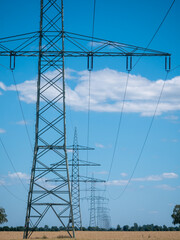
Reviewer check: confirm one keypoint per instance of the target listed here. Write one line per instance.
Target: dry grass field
(95, 235)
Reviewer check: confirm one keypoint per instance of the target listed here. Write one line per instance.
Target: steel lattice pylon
(50, 155)
(92, 220)
(75, 184)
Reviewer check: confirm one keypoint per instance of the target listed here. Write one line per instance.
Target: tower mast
(50, 154)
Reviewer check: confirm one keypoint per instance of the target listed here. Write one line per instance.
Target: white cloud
(148, 178)
(156, 177)
(169, 175)
(165, 187)
(2, 130)
(116, 183)
(123, 174)
(19, 175)
(171, 117)
(2, 182)
(2, 86)
(102, 173)
(151, 178)
(27, 91)
(99, 145)
(22, 122)
(107, 89)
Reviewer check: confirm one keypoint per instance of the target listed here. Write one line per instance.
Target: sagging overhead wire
(89, 87)
(12, 194)
(146, 138)
(8, 157)
(120, 122)
(119, 126)
(22, 112)
(157, 30)
(21, 108)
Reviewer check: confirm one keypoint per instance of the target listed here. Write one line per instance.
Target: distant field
(96, 235)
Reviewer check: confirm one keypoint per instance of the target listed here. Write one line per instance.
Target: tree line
(135, 227)
(149, 227)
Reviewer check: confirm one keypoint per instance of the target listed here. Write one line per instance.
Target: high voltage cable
(134, 67)
(119, 125)
(89, 87)
(4, 66)
(13, 194)
(22, 112)
(21, 108)
(157, 30)
(146, 138)
(8, 157)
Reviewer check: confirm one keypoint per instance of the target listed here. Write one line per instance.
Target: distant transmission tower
(103, 216)
(75, 184)
(50, 151)
(76, 179)
(92, 220)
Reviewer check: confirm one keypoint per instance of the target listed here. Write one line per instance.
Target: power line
(8, 157)
(4, 66)
(146, 138)
(89, 87)
(21, 108)
(119, 126)
(157, 30)
(120, 120)
(12, 194)
(22, 112)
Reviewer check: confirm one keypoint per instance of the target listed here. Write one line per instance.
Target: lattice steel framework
(103, 216)
(75, 184)
(50, 154)
(92, 220)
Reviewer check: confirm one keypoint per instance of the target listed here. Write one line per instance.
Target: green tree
(118, 228)
(135, 227)
(176, 215)
(3, 216)
(126, 228)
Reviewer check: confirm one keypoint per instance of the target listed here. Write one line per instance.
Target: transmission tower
(50, 151)
(92, 220)
(103, 216)
(75, 185)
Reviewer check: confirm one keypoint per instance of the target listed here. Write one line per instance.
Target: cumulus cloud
(151, 178)
(22, 122)
(2, 130)
(23, 176)
(107, 89)
(169, 175)
(156, 177)
(18, 175)
(2, 182)
(116, 183)
(171, 117)
(99, 145)
(166, 187)
(102, 173)
(123, 174)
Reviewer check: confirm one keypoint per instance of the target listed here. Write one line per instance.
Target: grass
(89, 235)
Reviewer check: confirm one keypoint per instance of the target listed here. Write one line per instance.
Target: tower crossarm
(77, 45)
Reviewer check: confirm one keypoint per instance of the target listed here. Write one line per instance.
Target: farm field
(86, 235)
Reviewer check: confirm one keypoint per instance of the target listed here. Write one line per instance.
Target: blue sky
(155, 187)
